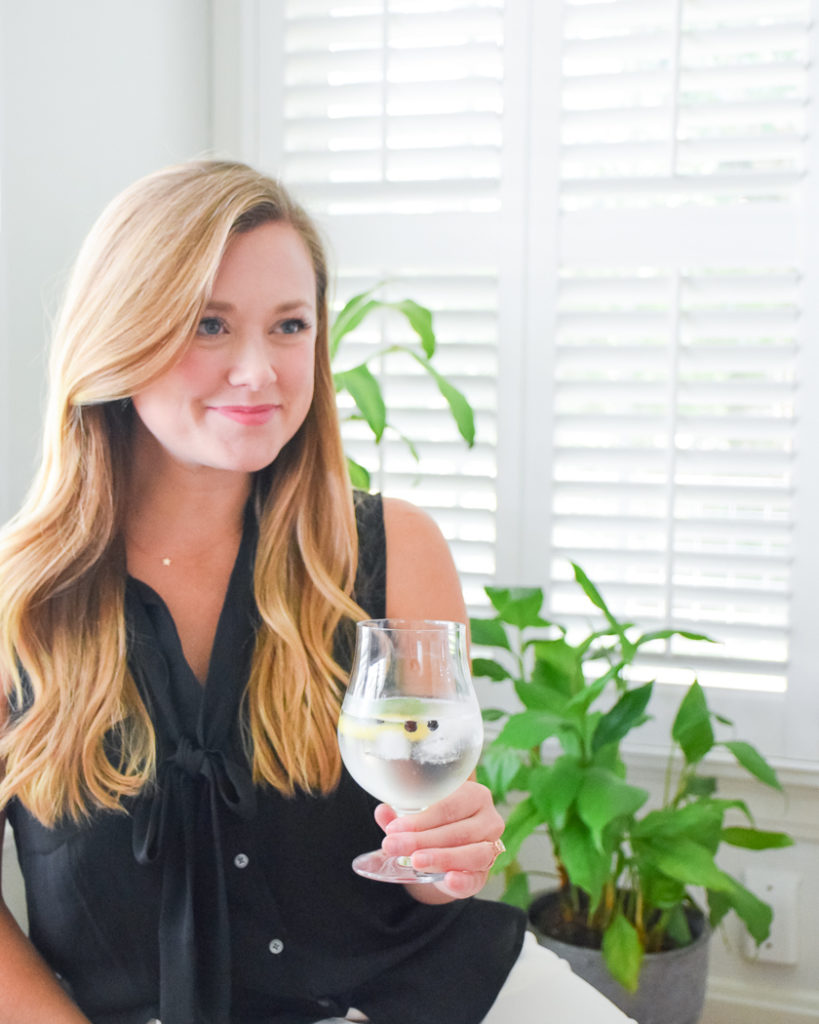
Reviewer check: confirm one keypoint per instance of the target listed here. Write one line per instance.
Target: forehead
(273, 256)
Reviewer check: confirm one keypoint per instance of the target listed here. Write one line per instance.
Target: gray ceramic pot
(672, 984)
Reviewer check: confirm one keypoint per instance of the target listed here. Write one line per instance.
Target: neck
(177, 508)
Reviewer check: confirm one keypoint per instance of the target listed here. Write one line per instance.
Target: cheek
(300, 375)
(197, 371)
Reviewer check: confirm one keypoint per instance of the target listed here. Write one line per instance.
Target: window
(683, 148)
(604, 203)
(390, 131)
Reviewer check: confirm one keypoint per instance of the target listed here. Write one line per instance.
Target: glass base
(381, 868)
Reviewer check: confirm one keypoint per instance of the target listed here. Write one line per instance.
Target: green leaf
(487, 667)
(534, 696)
(459, 407)
(603, 797)
(420, 319)
(492, 714)
(360, 306)
(692, 725)
(756, 914)
(666, 634)
(558, 665)
(558, 684)
(529, 729)
(688, 862)
(517, 893)
(627, 713)
(718, 906)
(501, 765)
(366, 393)
(520, 824)
(585, 865)
(756, 839)
(677, 926)
(359, 476)
(350, 317)
(699, 786)
(700, 821)
(554, 788)
(750, 759)
(588, 694)
(623, 952)
(488, 633)
(658, 889)
(517, 606)
(594, 595)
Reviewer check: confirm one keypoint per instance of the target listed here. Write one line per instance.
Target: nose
(252, 363)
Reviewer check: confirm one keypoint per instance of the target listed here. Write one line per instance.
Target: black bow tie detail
(179, 826)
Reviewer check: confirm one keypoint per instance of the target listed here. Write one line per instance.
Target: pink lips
(250, 415)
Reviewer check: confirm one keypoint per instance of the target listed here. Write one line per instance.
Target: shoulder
(422, 581)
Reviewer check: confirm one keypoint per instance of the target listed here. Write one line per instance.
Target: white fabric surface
(541, 987)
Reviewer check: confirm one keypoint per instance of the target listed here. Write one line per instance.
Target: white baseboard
(730, 1002)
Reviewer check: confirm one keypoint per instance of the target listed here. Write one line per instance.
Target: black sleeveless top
(212, 901)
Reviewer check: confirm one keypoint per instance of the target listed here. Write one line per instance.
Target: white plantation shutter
(682, 159)
(390, 132)
(393, 106)
(607, 204)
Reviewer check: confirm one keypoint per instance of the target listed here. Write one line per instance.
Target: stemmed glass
(410, 729)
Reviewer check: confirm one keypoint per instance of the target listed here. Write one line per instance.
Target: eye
(210, 326)
(295, 325)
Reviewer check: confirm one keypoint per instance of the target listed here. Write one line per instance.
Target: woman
(176, 601)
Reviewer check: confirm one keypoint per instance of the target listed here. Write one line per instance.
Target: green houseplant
(626, 872)
(362, 385)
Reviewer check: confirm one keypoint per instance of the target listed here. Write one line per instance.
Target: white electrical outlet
(780, 889)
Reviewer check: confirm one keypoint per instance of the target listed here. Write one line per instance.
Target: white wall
(93, 94)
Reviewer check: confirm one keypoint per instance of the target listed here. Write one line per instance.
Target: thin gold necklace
(167, 561)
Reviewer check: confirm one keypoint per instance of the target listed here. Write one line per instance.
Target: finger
(468, 800)
(476, 857)
(384, 814)
(462, 884)
(486, 826)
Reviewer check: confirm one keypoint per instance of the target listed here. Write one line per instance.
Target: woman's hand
(457, 836)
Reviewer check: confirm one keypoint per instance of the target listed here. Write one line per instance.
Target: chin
(252, 463)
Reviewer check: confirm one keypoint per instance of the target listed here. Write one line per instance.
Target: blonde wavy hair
(136, 294)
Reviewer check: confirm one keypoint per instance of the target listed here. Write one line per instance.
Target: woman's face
(245, 384)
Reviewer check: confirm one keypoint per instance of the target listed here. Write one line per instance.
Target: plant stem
(669, 768)
(639, 924)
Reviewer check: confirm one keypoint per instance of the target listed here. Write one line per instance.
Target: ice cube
(391, 744)
(437, 748)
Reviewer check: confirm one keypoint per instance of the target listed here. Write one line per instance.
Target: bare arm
(29, 992)
(421, 579)
(455, 835)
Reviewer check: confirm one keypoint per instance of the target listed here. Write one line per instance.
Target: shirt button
(276, 946)
(241, 860)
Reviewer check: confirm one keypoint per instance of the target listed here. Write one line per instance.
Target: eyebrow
(285, 307)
